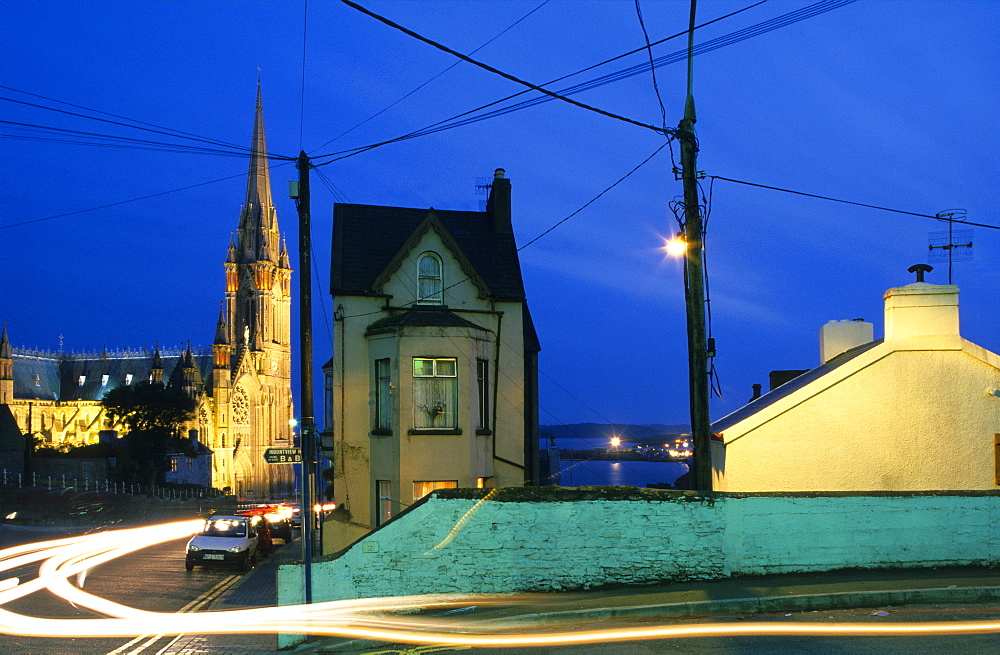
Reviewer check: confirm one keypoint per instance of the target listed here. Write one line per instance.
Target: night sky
(885, 103)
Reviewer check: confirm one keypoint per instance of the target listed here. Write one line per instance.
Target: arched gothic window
(430, 280)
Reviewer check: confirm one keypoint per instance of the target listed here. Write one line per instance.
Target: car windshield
(224, 528)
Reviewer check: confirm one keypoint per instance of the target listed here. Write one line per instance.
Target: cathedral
(242, 385)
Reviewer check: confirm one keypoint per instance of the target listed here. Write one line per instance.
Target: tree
(149, 406)
(153, 414)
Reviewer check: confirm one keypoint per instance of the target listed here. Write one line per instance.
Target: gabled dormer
(429, 268)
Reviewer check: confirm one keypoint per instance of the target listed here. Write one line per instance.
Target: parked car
(224, 540)
(278, 519)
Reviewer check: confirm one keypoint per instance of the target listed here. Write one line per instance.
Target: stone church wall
(558, 539)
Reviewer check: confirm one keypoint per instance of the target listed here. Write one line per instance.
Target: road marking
(195, 605)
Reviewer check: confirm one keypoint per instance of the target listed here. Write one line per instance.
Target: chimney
(838, 337)
(756, 392)
(921, 309)
(498, 204)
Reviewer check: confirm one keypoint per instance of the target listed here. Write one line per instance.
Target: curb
(765, 604)
(729, 606)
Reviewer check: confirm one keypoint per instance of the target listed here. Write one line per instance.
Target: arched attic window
(430, 279)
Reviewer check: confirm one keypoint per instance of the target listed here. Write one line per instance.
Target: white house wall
(893, 419)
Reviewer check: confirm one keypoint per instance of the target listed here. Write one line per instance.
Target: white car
(224, 540)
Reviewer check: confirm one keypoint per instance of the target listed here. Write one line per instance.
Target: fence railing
(86, 484)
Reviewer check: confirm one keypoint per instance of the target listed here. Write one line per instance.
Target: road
(152, 579)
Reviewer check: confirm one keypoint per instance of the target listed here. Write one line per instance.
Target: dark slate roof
(11, 438)
(423, 317)
(790, 387)
(36, 377)
(59, 378)
(367, 237)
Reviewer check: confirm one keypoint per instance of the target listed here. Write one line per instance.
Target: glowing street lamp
(677, 246)
(616, 441)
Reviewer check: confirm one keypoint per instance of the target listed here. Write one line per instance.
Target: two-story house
(433, 380)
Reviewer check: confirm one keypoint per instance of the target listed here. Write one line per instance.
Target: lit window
(104, 380)
(435, 393)
(430, 279)
(483, 387)
(173, 464)
(383, 395)
(83, 378)
(484, 483)
(383, 489)
(422, 488)
(38, 380)
(128, 379)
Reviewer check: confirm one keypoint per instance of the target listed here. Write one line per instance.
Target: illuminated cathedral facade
(242, 384)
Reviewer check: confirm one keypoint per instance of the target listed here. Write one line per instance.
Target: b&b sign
(283, 455)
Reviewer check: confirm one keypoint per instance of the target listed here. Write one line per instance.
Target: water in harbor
(580, 473)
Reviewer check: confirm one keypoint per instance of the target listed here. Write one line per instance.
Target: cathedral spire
(258, 222)
(6, 370)
(221, 329)
(4, 343)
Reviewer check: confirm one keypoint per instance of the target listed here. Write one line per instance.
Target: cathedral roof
(83, 377)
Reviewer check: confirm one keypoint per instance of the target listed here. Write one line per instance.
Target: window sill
(382, 432)
(484, 432)
(434, 431)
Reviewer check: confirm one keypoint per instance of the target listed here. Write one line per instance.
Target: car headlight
(235, 549)
(193, 549)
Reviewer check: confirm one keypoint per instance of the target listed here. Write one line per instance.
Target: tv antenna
(951, 245)
(483, 186)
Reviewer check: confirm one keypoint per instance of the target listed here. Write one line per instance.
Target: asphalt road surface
(151, 579)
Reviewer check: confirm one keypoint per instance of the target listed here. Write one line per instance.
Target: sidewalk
(734, 596)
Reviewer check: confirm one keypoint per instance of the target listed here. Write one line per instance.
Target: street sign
(283, 455)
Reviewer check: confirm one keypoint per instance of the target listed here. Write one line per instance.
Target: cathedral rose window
(241, 407)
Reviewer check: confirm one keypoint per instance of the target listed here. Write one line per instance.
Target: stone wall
(548, 539)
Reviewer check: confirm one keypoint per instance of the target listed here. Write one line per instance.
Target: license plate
(212, 556)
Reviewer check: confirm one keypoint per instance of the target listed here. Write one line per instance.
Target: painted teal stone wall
(558, 539)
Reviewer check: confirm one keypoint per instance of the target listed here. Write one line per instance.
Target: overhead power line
(160, 130)
(849, 202)
(124, 118)
(423, 84)
(125, 202)
(83, 138)
(469, 117)
(496, 71)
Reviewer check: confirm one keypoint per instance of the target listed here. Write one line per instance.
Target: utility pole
(694, 285)
(307, 428)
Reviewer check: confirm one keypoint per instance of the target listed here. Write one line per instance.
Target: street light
(616, 441)
(677, 246)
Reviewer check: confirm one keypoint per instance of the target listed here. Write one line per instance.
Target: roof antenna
(952, 245)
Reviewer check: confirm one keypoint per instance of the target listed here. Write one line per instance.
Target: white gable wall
(898, 420)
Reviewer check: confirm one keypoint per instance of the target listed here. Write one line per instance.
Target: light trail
(378, 619)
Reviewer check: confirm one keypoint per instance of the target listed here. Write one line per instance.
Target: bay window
(435, 393)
